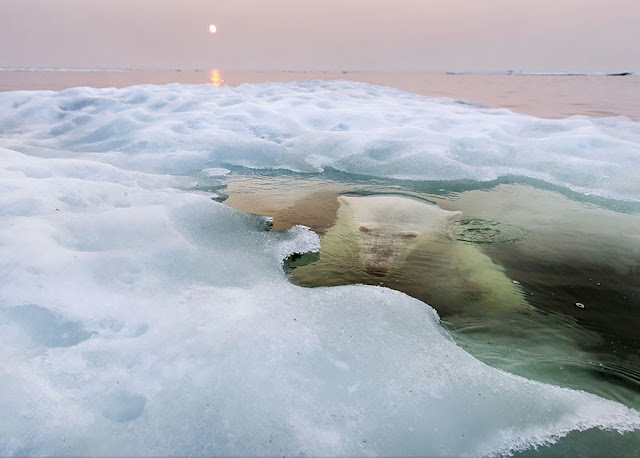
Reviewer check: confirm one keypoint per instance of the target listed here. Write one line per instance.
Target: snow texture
(140, 317)
(309, 126)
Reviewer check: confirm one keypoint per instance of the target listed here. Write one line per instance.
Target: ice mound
(309, 126)
(138, 318)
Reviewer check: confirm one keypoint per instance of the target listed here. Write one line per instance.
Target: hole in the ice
(299, 260)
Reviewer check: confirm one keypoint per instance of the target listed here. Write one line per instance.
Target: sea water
(565, 258)
(140, 316)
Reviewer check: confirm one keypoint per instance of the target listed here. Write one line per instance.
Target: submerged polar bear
(402, 242)
(390, 227)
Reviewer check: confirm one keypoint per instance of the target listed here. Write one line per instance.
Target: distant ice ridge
(308, 126)
(548, 73)
(139, 317)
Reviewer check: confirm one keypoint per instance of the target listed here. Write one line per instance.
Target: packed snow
(140, 317)
(309, 126)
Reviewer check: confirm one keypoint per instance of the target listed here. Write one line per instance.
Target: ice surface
(139, 317)
(308, 126)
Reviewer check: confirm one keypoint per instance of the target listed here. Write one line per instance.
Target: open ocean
(281, 263)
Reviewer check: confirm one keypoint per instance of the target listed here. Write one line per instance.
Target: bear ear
(343, 200)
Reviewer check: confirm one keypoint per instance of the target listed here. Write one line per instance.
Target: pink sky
(390, 35)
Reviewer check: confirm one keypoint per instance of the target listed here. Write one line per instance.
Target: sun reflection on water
(215, 77)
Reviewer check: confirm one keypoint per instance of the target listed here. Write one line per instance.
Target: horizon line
(333, 71)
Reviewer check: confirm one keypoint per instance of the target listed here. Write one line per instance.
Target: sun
(213, 28)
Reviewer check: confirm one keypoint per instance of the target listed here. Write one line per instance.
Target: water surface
(570, 317)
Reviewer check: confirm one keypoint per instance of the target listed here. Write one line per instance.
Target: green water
(536, 282)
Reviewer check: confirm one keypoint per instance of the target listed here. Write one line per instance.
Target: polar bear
(403, 242)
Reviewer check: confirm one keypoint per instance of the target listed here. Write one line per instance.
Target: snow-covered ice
(308, 126)
(139, 317)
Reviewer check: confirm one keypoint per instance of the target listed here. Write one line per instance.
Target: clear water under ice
(139, 316)
(506, 275)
